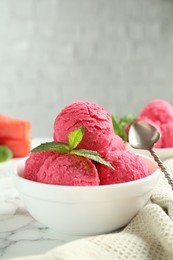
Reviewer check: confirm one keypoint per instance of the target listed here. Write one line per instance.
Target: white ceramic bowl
(85, 210)
(163, 153)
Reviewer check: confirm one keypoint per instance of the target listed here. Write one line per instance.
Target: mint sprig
(120, 125)
(74, 138)
(52, 146)
(5, 153)
(91, 155)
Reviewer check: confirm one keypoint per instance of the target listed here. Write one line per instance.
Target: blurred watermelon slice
(15, 134)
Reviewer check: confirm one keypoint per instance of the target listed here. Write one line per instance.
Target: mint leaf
(5, 153)
(120, 125)
(91, 155)
(52, 146)
(75, 137)
(117, 126)
(115, 121)
(127, 119)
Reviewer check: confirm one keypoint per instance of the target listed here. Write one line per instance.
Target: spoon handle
(162, 167)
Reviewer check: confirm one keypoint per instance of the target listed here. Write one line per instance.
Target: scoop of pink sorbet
(167, 135)
(97, 122)
(68, 169)
(33, 164)
(159, 111)
(117, 143)
(128, 167)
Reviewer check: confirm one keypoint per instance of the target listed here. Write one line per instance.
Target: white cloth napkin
(149, 236)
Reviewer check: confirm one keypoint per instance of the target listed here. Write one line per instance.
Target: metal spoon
(143, 136)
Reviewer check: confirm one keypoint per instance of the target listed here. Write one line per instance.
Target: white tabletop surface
(20, 234)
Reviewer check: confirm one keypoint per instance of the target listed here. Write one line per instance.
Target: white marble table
(20, 234)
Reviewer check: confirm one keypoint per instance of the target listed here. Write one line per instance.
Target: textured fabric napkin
(148, 236)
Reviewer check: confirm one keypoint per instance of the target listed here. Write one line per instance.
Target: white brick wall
(118, 53)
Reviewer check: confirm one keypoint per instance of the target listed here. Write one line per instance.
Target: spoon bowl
(143, 135)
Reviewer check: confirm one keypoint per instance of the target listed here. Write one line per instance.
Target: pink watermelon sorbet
(34, 163)
(51, 167)
(159, 113)
(97, 122)
(167, 134)
(116, 144)
(61, 169)
(127, 167)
